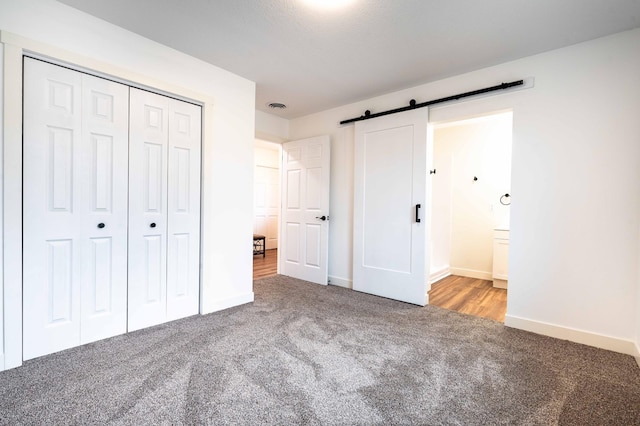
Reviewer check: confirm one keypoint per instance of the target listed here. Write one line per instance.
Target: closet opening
(470, 215)
(266, 207)
(111, 187)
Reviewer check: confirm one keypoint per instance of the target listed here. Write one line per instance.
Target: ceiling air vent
(276, 105)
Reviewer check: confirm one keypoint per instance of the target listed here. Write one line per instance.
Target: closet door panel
(148, 148)
(183, 280)
(52, 145)
(104, 208)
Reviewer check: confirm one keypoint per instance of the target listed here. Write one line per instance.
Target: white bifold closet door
(111, 236)
(164, 209)
(75, 208)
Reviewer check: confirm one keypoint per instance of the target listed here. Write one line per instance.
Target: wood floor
(470, 296)
(467, 295)
(267, 266)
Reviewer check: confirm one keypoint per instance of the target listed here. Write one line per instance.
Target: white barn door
(391, 222)
(75, 208)
(304, 245)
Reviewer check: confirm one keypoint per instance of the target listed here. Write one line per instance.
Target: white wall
(267, 157)
(441, 215)
(481, 148)
(638, 311)
(271, 128)
(229, 118)
(575, 213)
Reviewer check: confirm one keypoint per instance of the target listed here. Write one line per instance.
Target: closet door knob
(153, 225)
(101, 225)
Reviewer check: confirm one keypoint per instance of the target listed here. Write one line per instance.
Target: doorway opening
(266, 199)
(470, 214)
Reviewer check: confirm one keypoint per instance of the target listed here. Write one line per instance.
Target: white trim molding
(472, 273)
(340, 282)
(573, 335)
(12, 204)
(228, 302)
(438, 275)
(1, 210)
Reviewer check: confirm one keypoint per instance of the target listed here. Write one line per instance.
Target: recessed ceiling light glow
(329, 4)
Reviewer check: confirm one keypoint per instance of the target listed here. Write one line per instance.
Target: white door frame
(257, 168)
(451, 115)
(14, 48)
(466, 110)
(275, 146)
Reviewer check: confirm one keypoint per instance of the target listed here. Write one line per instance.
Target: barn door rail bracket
(413, 105)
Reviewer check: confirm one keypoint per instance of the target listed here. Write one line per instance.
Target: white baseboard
(340, 282)
(638, 360)
(229, 302)
(573, 335)
(438, 275)
(472, 273)
(497, 283)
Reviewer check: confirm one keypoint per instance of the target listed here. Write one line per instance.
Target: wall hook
(432, 172)
(475, 178)
(503, 202)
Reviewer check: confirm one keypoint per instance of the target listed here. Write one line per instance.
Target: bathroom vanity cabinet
(500, 257)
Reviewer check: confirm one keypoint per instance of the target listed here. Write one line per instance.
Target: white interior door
(183, 245)
(148, 152)
(267, 204)
(84, 273)
(391, 223)
(103, 209)
(164, 209)
(305, 209)
(75, 157)
(51, 236)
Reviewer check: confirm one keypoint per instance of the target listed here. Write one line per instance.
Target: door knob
(153, 225)
(101, 225)
(322, 217)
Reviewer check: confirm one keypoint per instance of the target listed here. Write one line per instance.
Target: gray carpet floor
(308, 354)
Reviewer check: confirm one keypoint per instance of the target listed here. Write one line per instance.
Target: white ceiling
(313, 59)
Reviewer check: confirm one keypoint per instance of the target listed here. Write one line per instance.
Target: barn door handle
(153, 225)
(417, 213)
(101, 225)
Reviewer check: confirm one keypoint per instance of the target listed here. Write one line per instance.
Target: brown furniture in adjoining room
(259, 244)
